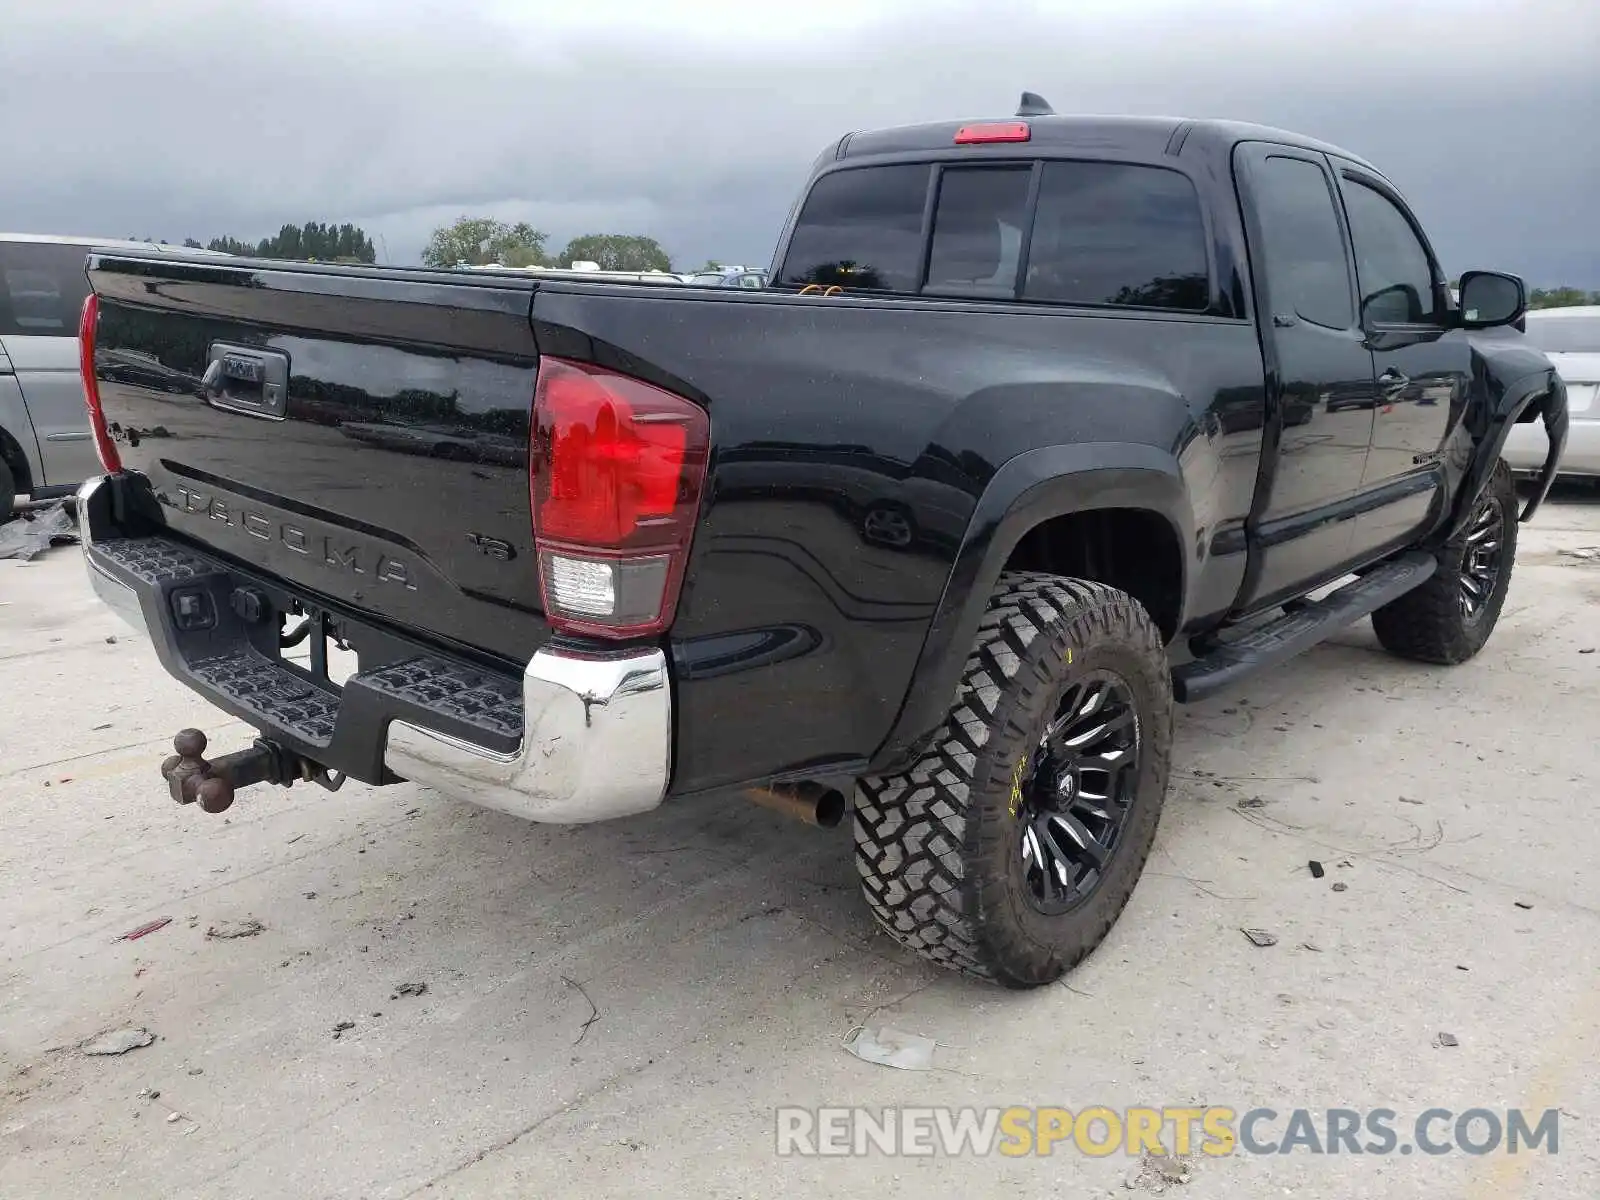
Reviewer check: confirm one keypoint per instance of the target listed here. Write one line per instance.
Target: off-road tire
(1429, 624)
(933, 844)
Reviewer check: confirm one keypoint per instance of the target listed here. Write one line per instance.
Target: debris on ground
(235, 929)
(340, 1028)
(35, 530)
(1252, 802)
(1409, 800)
(173, 1118)
(409, 989)
(1447, 1039)
(134, 935)
(1523, 904)
(1341, 887)
(1311, 946)
(891, 1048)
(1583, 553)
(1157, 1172)
(1260, 937)
(197, 1070)
(1316, 869)
(594, 1009)
(149, 1094)
(119, 1041)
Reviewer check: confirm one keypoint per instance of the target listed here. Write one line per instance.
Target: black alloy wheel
(1077, 792)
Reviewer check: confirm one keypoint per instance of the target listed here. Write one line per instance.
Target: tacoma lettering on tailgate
(332, 551)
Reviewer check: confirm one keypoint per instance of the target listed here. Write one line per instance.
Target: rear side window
(977, 231)
(1304, 251)
(862, 230)
(1113, 233)
(42, 288)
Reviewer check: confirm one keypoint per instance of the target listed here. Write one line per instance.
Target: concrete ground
(617, 1010)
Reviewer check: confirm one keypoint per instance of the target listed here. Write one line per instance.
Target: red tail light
(616, 470)
(88, 324)
(993, 131)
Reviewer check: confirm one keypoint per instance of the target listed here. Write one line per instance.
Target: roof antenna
(1034, 105)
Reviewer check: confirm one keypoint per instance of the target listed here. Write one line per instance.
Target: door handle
(1393, 381)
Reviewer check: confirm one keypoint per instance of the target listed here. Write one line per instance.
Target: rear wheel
(1011, 847)
(1449, 618)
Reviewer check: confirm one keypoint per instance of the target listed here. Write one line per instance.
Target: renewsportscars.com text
(1100, 1131)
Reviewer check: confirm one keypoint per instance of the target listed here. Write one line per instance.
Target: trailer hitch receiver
(192, 778)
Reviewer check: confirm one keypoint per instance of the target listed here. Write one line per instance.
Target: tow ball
(192, 778)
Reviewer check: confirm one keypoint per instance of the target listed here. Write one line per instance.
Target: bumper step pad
(488, 703)
(272, 693)
(155, 560)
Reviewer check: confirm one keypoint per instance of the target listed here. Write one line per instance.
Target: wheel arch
(1029, 517)
(15, 458)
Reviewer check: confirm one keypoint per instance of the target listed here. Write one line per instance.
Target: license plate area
(313, 642)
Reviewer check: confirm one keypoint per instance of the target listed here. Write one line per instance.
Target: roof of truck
(1142, 137)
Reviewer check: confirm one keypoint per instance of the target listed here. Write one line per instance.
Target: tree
(711, 265)
(617, 252)
(483, 241)
(313, 240)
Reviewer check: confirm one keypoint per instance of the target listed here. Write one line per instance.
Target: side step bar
(1298, 631)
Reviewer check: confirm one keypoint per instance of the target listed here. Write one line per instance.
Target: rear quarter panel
(851, 442)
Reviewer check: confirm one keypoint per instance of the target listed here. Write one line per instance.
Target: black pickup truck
(1041, 424)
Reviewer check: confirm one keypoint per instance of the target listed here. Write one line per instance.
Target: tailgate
(361, 433)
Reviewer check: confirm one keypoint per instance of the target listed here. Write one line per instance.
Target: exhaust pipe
(811, 803)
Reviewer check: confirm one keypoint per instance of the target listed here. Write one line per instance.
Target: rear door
(1309, 490)
(42, 288)
(1422, 366)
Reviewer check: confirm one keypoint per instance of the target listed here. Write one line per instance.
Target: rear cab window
(1081, 233)
(42, 289)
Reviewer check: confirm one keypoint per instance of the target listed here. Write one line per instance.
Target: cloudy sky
(694, 121)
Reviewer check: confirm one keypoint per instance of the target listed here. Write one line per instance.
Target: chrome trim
(596, 745)
(114, 594)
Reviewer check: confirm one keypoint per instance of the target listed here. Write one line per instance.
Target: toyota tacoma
(1042, 425)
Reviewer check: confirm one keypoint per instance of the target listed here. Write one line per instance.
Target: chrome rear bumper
(596, 743)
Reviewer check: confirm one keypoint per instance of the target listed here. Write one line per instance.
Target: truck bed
(850, 441)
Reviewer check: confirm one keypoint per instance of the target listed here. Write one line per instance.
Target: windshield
(1565, 335)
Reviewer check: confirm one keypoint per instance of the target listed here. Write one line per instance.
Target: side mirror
(1490, 299)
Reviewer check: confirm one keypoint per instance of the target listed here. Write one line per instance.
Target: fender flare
(1544, 388)
(1028, 490)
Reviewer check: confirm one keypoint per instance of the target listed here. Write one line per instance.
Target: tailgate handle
(246, 380)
